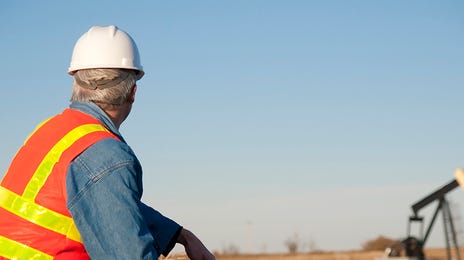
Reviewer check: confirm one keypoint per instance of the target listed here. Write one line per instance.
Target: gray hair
(106, 87)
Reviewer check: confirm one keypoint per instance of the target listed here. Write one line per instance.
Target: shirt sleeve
(168, 229)
(104, 188)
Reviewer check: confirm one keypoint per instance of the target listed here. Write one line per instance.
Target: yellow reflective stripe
(25, 207)
(39, 215)
(53, 156)
(14, 250)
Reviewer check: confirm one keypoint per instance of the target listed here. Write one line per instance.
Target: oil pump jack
(414, 245)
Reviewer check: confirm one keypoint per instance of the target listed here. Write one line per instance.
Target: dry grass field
(308, 256)
(431, 254)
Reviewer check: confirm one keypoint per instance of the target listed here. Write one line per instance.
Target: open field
(431, 254)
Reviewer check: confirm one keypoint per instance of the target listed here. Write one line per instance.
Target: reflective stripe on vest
(39, 215)
(25, 207)
(52, 157)
(11, 249)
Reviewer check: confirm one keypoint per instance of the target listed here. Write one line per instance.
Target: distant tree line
(381, 243)
(294, 245)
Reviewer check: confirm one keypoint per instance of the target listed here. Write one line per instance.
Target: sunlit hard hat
(105, 47)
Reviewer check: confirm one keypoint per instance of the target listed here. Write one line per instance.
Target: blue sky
(256, 120)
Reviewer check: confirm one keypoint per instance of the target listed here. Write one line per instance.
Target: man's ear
(132, 95)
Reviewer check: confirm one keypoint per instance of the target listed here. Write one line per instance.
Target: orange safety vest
(34, 220)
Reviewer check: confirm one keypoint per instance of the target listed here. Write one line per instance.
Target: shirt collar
(95, 111)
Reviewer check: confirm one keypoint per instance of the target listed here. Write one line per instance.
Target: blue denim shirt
(104, 189)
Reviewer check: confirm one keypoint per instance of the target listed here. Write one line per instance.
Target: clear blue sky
(260, 119)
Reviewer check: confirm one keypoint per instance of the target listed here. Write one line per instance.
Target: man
(73, 190)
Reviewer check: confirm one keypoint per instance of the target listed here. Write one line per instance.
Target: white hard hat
(105, 47)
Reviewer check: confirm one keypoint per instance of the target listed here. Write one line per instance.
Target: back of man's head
(105, 64)
(107, 87)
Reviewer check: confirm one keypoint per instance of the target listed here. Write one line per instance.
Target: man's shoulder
(106, 154)
(109, 148)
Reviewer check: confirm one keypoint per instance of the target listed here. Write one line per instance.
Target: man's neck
(119, 114)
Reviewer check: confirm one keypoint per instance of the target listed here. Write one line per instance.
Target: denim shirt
(104, 190)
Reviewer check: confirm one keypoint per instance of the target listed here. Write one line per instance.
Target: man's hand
(193, 246)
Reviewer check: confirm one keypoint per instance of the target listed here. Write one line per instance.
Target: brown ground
(431, 254)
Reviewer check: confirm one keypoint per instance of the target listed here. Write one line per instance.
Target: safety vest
(34, 220)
